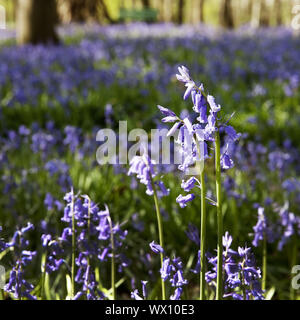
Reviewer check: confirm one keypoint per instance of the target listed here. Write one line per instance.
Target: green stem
(73, 251)
(203, 222)
(202, 236)
(293, 263)
(264, 264)
(161, 238)
(243, 281)
(219, 293)
(113, 269)
(44, 261)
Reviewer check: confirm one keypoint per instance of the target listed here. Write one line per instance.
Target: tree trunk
(78, 10)
(265, 15)
(167, 10)
(133, 4)
(83, 10)
(249, 11)
(278, 13)
(255, 13)
(201, 11)
(36, 20)
(180, 11)
(226, 14)
(194, 11)
(105, 12)
(146, 3)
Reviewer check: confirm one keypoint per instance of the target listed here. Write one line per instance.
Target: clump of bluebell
(171, 271)
(241, 276)
(17, 284)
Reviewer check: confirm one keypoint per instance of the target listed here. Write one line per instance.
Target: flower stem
(202, 237)
(113, 269)
(161, 238)
(264, 265)
(293, 263)
(219, 293)
(73, 251)
(243, 281)
(203, 222)
(44, 261)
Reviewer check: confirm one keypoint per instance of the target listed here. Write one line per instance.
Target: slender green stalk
(73, 251)
(264, 264)
(113, 268)
(203, 222)
(44, 261)
(219, 293)
(19, 269)
(243, 281)
(202, 237)
(160, 233)
(293, 263)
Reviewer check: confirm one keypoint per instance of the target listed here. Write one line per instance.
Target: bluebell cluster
(191, 135)
(17, 284)
(241, 275)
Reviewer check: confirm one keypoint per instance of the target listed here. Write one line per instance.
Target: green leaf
(69, 287)
(270, 293)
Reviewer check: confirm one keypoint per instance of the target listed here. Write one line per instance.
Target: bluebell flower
(227, 241)
(184, 74)
(226, 161)
(188, 185)
(170, 116)
(165, 271)
(156, 248)
(193, 234)
(144, 289)
(108, 112)
(183, 200)
(73, 137)
(162, 191)
(177, 294)
(135, 295)
(143, 168)
(213, 106)
(17, 284)
(289, 225)
(197, 267)
(262, 229)
(174, 128)
(231, 133)
(178, 279)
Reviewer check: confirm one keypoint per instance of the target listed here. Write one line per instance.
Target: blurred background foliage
(229, 13)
